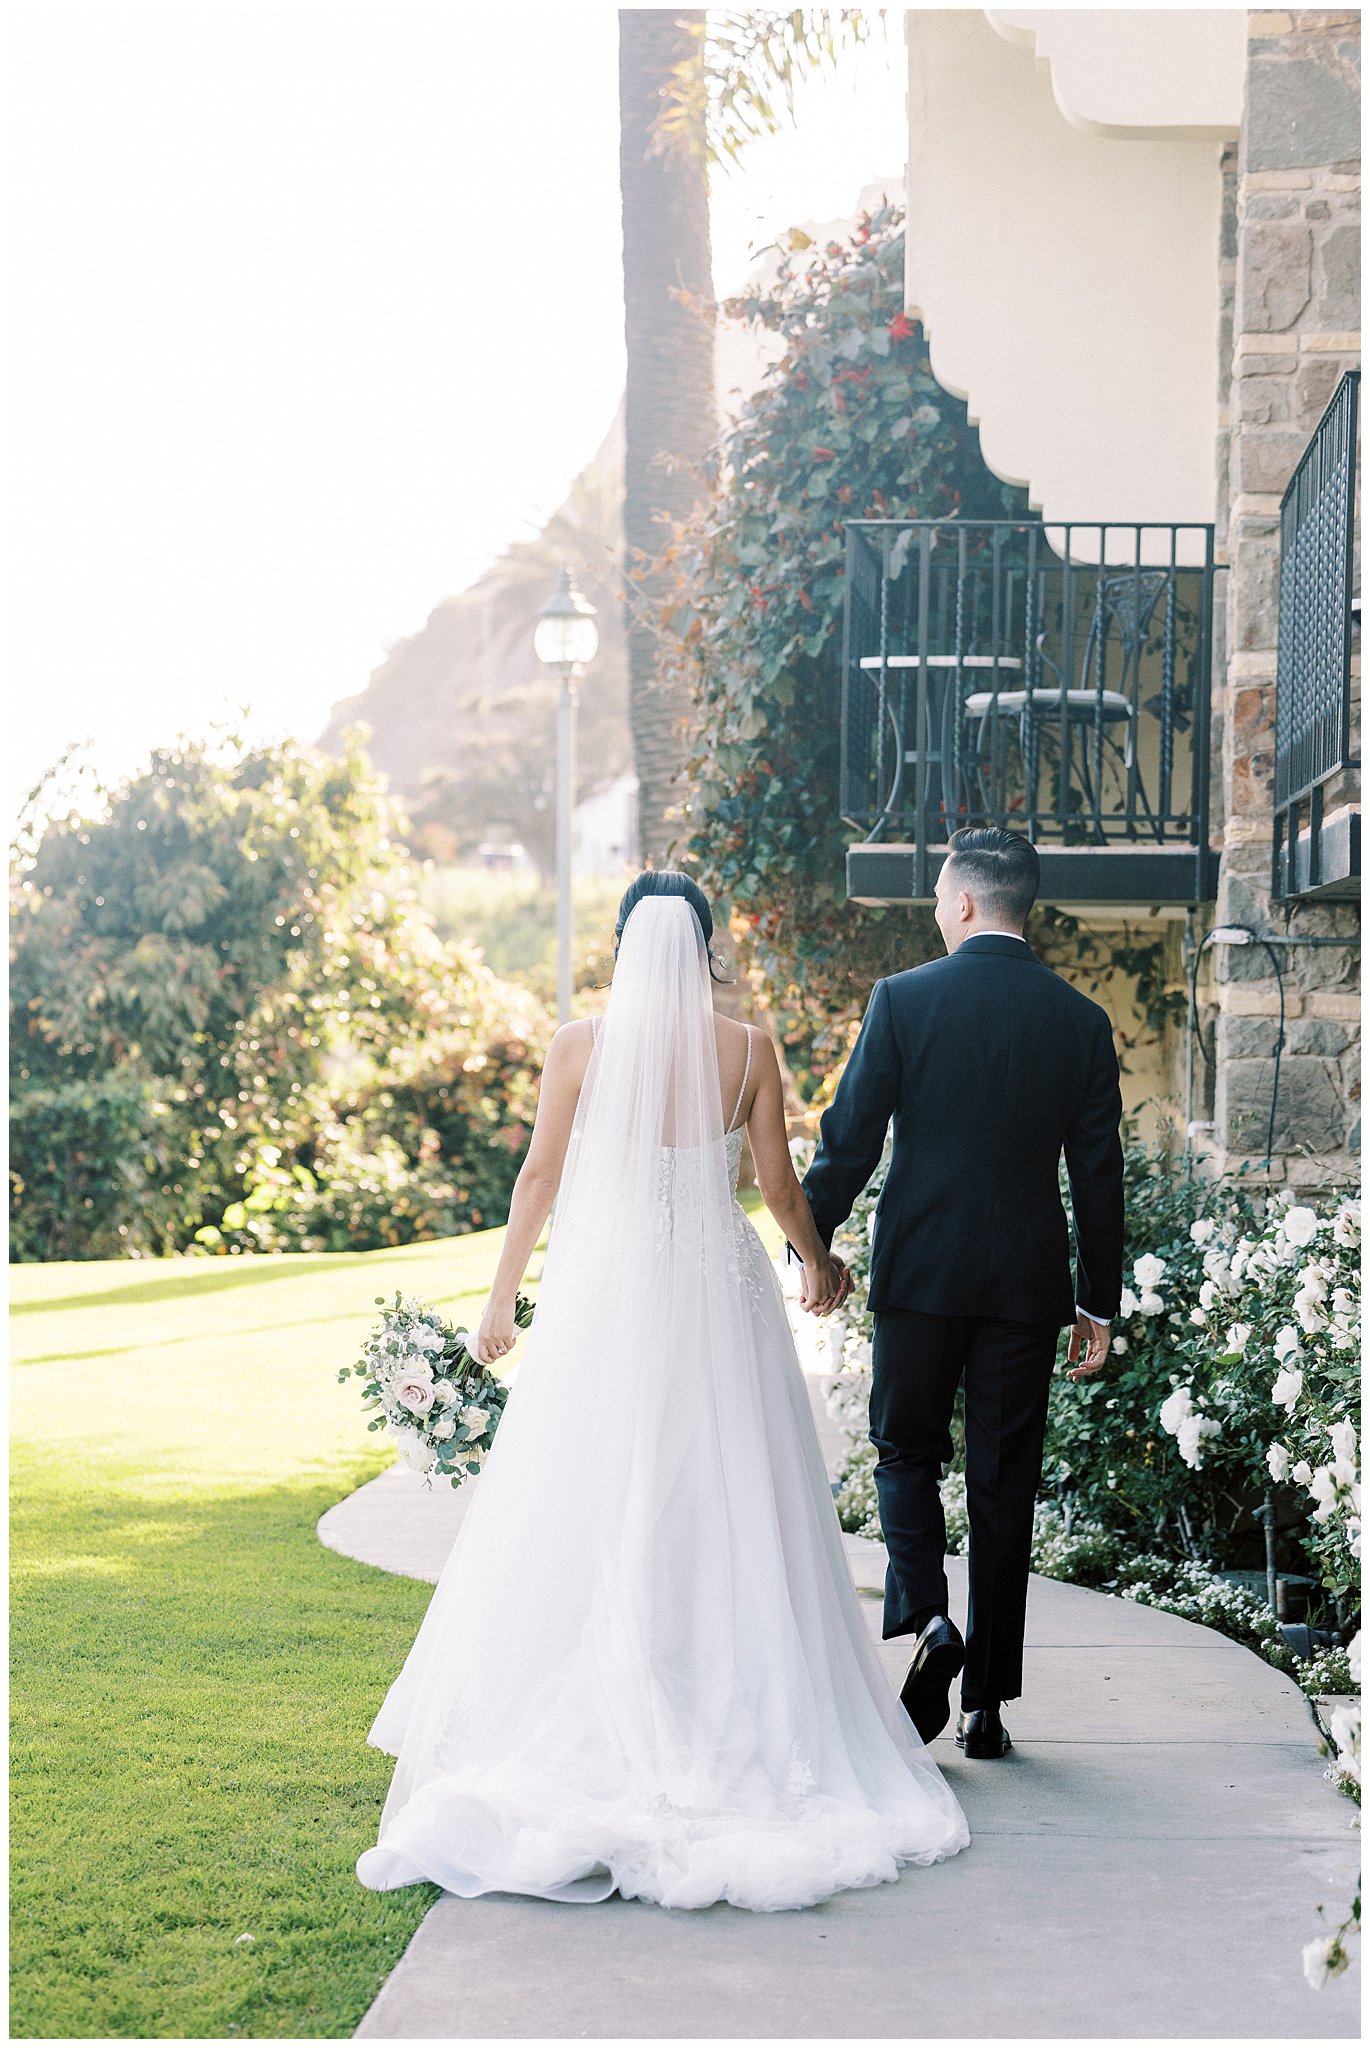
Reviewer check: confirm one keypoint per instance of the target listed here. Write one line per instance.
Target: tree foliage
(850, 423)
(219, 967)
(738, 81)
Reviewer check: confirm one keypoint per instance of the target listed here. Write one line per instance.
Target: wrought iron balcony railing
(1050, 678)
(1317, 739)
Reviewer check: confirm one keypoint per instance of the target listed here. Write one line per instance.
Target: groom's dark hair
(999, 869)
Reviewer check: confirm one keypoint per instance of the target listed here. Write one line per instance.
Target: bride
(644, 1667)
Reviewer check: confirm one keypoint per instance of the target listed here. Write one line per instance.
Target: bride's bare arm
(780, 1189)
(535, 1190)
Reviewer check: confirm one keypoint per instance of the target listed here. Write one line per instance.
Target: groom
(990, 1066)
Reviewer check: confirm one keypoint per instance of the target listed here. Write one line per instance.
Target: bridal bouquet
(439, 1404)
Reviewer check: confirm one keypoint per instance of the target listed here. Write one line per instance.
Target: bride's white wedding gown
(644, 1667)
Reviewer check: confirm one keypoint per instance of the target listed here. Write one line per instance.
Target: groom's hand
(825, 1287)
(1089, 1343)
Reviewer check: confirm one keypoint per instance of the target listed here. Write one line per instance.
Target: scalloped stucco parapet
(1068, 281)
(1138, 72)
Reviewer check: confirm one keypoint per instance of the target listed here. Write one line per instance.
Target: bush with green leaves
(849, 423)
(222, 988)
(1269, 1371)
(1233, 1375)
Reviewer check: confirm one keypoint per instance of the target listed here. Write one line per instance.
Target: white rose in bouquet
(475, 1419)
(445, 1394)
(443, 1429)
(417, 1455)
(414, 1391)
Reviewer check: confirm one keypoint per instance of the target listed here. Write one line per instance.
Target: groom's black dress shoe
(938, 1655)
(980, 1732)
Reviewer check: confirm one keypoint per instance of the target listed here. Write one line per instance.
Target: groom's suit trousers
(917, 1363)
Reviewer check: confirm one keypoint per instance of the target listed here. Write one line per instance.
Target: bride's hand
(496, 1335)
(826, 1284)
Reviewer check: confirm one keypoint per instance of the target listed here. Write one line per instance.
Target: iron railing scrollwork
(1053, 678)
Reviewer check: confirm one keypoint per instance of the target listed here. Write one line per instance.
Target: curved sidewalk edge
(1147, 1862)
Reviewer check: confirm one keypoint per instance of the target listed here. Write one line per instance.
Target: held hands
(1089, 1343)
(826, 1284)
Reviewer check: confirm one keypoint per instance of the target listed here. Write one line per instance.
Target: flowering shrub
(1327, 1955)
(1108, 1454)
(1194, 1593)
(1177, 1443)
(225, 997)
(849, 423)
(1235, 1376)
(1272, 1380)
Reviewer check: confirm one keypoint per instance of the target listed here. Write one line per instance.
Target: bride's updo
(668, 882)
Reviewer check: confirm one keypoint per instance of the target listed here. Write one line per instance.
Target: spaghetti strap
(746, 1073)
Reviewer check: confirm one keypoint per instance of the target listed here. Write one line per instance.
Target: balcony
(1317, 705)
(1052, 679)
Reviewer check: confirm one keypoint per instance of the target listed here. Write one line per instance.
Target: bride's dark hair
(668, 882)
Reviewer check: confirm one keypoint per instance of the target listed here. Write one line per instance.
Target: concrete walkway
(1147, 1862)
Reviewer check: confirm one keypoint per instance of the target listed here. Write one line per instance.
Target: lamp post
(565, 641)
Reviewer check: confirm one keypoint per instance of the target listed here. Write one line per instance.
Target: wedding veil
(644, 1655)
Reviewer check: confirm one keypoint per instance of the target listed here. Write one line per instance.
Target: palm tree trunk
(669, 407)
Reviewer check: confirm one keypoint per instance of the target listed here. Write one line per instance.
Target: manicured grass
(193, 1674)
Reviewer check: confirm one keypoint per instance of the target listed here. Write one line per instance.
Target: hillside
(460, 716)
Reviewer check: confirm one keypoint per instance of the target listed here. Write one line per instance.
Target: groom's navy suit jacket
(991, 1066)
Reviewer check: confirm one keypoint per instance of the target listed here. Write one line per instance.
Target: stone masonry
(1292, 279)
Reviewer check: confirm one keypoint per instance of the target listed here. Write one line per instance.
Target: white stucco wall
(1137, 71)
(1068, 280)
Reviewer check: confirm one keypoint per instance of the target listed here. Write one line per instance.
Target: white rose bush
(1234, 1377)
(1269, 1365)
(437, 1403)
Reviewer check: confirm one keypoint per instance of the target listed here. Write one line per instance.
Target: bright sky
(313, 309)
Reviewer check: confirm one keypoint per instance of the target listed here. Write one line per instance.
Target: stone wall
(1293, 278)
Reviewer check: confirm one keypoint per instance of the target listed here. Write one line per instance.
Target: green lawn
(193, 1674)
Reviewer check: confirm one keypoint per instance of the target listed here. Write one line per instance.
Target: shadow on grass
(211, 1276)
